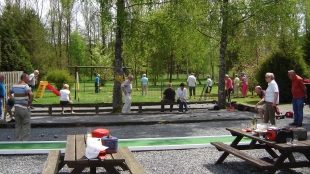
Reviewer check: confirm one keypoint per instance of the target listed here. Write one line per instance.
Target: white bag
(93, 147)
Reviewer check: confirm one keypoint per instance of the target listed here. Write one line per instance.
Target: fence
(11, 77)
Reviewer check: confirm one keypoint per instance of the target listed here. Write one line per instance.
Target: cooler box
(99, 133)
(111, 142)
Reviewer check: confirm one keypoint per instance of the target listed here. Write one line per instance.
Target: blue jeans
(181, 106)
(298, 106)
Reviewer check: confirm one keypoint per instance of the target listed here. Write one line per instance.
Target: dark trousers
(163, 105)
(228, 91)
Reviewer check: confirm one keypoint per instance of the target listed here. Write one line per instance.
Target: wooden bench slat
(70, 149)
(133, 164)
(52, 162)
(80, 146)
(257, 162)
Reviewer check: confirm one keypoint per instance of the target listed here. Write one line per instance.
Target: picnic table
(74, 157)
(285, 151)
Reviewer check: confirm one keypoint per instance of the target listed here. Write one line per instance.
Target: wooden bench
(132, 163)
(52, 162)
(140, 105)
(230, 150)
(75, 105)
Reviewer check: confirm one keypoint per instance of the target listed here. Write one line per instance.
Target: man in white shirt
(32, 81)
(191, 83)
(208, 87)
(127, 88)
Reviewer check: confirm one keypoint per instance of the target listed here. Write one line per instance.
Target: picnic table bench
(74, 157)
(286, 151)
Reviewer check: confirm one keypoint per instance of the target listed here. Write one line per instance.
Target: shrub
(279, 63)
(59, 77)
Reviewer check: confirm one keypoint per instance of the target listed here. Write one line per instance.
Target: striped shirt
(20, 95)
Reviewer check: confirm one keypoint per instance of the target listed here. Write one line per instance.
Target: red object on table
(246, 130)
(100, 132)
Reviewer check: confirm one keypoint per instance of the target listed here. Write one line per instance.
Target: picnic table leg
(252, 144)
(307, 155)
(278, 162)
(225, 154)
(271, 152)
(61, 163)
(92, 170)
(111, 170)
(77, 170)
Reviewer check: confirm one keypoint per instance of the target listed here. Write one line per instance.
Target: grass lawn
(88, 95)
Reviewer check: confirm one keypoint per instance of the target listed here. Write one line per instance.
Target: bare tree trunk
(117, 93)
(223, 44)
(171, 70)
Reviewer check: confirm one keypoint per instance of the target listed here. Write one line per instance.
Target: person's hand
(125, 92)
(273, 104)
(256, 106)
(182, 99)
(3, 121)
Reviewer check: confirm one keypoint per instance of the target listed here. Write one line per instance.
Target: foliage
(99, 59)
(77, 52)
(59, 78)
(279, 63)
(13, 54)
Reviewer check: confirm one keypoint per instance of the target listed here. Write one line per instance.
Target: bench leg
(222, 158)
(61, 163)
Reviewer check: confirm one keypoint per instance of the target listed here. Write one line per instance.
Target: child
(65, 98)
(8, 109)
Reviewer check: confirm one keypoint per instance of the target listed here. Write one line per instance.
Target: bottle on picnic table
(254, 122)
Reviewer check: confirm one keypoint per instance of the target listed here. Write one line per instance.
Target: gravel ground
(195, 161)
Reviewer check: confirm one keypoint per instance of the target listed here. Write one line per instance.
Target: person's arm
(276, 94)
(30, 96)
(261, 101)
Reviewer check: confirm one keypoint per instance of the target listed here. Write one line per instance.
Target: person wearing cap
(127, 89)
(181, 98)
(97, 82)
(144, 84)
(32, 81)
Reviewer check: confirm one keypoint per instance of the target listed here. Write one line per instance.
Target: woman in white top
(181, 96)
(65, 98)
(271, 99)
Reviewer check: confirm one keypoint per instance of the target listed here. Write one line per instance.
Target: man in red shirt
(299, 92)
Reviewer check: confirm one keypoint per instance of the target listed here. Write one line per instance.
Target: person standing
(191, 83)
(97, 83)
(181, 96)
(236, 85)
(127, 88)
(23, 98)
(272, 98)
(32, 81)
(299, 92)
(208, 87)
(168, 96)
(262, 94)
(2, 93)
(144, 84)
(244, 85)
(229, 86)
(65, 98)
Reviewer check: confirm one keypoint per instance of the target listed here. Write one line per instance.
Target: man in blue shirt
(144, 84)
(2, 92)
(97, 80)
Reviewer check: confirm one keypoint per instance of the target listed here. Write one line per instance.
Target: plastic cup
(289, 141)
(261, 134)
(295, 140)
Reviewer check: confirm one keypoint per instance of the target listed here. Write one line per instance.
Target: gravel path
(197, 161)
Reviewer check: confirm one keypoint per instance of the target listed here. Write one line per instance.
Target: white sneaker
(186, 112)
(180, 112)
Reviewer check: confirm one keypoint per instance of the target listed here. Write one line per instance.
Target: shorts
(209, 88)
(263, 107)
(65, 102)
(9, 104)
